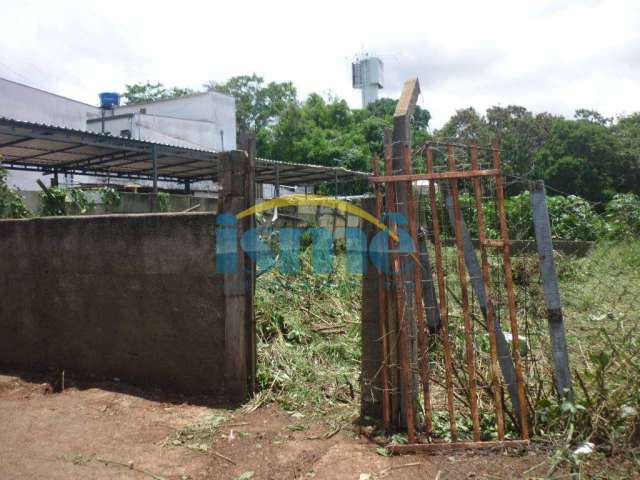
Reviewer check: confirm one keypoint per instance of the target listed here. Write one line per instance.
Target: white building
(204, 121)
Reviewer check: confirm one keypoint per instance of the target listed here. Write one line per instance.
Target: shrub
(623, 216)
(110, 197)
(11, 202)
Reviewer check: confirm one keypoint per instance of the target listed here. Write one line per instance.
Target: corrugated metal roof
(48, 148)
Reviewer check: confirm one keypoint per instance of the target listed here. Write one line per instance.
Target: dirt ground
(111, 431)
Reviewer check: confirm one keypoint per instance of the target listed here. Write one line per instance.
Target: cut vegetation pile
(309, 339)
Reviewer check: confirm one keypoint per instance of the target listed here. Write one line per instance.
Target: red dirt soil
(111, 431)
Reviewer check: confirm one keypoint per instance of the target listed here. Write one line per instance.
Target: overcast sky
(551, 56)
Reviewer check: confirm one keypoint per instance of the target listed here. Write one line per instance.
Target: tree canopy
(589, 155)
(150, 92)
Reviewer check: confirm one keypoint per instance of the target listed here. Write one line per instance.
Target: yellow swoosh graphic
(302, 199)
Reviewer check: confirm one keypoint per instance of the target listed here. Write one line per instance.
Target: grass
(309, 352)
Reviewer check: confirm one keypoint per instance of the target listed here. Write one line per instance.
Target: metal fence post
(544, 243)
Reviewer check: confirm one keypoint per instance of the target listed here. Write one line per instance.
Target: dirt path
(110, 431)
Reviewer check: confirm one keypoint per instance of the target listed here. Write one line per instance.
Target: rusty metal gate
(447, 366)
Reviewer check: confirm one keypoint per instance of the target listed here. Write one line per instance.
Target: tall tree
(466, 125)
(257, 104)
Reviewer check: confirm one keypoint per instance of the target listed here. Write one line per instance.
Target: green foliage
(78, 200)
(603, 333)
(163, 201)
(11, 202)
(309, 338)
(572, 218)
(150, 92)
(72, 201)
(54, 202)
(110, 197)
(623, 216)
(591, 156)
(257, 104)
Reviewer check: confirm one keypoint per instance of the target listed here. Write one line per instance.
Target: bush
(623, 216)
(11, 202)
(111, 198)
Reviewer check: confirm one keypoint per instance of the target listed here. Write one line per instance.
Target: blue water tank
(109, 99)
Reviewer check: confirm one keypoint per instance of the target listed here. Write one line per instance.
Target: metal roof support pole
(277, 192)
(154, 161)
(187, 186)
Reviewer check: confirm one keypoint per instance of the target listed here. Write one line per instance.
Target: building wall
(198, 134)
(194, 121)
(128, 296)
(21, 102)
(216, 109)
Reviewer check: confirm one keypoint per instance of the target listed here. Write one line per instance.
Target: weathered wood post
(237, 177)
(542, 226)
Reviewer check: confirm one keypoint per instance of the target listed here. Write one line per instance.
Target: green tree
(465, 125)
(627, 133)
(150, 92)
(580, 158)
(257, 104)
(521, 134)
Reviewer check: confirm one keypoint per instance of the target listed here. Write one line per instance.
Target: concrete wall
(130, 202)
(198, 134)
(128, 296)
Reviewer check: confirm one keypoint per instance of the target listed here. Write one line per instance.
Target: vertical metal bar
(506, 262)
(403, 339)
(442, 294)
(468, 325)
(475, 275)
(551, 290)
(423, 358)
(154, 162)
(382, 317)
(486, 279)
(187, 186)
(277, 186)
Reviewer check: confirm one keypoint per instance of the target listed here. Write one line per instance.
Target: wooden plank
(454, 446)
(408, 98)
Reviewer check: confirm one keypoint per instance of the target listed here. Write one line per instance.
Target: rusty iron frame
(392, 298)
(423, 358)
(382, 317)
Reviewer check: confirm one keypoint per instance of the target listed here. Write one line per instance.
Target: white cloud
(546, 55)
